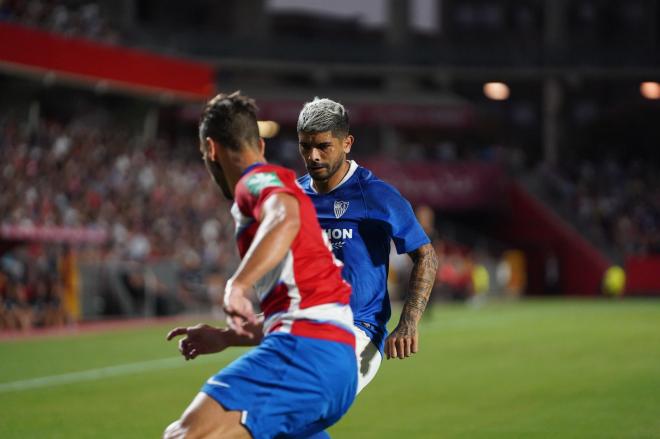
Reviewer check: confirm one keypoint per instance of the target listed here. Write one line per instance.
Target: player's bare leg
(368, 358)
(206, 419)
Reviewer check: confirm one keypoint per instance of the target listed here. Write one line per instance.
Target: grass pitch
(537, 369)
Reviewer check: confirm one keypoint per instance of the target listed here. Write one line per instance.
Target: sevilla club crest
(340, 208)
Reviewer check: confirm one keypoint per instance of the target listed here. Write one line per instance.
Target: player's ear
(211, 148)
(262, 146)
(348, 143)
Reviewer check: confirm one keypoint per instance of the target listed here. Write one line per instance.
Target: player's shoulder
(261, 168)
(304, 183)
(266, 175)
(375, 188)
(268, 168)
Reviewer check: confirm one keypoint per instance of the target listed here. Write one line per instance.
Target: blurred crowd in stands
(34, 284)
(69, 18)
(511, 158)
(465, 272)
(614, 204)
(154, 201)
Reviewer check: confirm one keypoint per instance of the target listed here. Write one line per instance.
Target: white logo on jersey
(337, 245)
(215, 382)
(339, 233)
(326, 240)
(340, 208)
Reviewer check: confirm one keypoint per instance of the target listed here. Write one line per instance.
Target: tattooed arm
(403, 341)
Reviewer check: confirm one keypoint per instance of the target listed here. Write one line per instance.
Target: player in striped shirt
(301, 377)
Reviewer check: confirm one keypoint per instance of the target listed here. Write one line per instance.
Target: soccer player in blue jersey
(361, 214)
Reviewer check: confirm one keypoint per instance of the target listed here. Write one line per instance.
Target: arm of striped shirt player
(278, 227)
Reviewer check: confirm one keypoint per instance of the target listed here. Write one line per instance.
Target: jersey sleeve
(387, 205)
(253, 190)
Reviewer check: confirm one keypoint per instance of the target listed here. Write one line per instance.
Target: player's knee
(191, 426)
(184, 428)
(174, 431)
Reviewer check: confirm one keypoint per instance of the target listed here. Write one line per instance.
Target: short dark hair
(323, 115)
(231, 120)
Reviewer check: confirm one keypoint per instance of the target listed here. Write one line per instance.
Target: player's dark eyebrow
(316, 145)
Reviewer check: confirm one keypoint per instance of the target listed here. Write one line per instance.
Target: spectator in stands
(18, 313)
(65, 17)
(60, 176)
(614, 204)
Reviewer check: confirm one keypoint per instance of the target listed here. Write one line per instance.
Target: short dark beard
(218, 175)
(332, 171)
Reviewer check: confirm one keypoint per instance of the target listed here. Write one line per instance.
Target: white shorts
(368, 358)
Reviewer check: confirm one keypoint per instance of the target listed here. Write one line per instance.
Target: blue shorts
(288, 386)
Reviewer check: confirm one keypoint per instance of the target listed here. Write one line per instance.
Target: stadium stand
(615, 205)
(151, 204)
(69, 18)
(127, 193)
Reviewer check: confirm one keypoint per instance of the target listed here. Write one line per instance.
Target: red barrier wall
(542, 234)
(27, 49)
(643, 275)
(514, 216)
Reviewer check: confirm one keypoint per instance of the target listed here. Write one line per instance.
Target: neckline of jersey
(351, 170)
(251, 167)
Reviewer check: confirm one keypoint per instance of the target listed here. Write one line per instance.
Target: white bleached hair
(323, 115)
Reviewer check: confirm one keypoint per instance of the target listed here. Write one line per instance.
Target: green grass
(538, 369)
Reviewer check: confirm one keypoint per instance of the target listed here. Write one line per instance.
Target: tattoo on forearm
(422, 278)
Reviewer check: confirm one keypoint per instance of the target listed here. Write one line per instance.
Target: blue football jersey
(361, 216)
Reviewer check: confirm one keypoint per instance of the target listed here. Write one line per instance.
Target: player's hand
(200, 339)
(239, 309)
(402, 342)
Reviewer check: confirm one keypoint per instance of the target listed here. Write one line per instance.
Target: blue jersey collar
(251, 167)
(351, 170)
